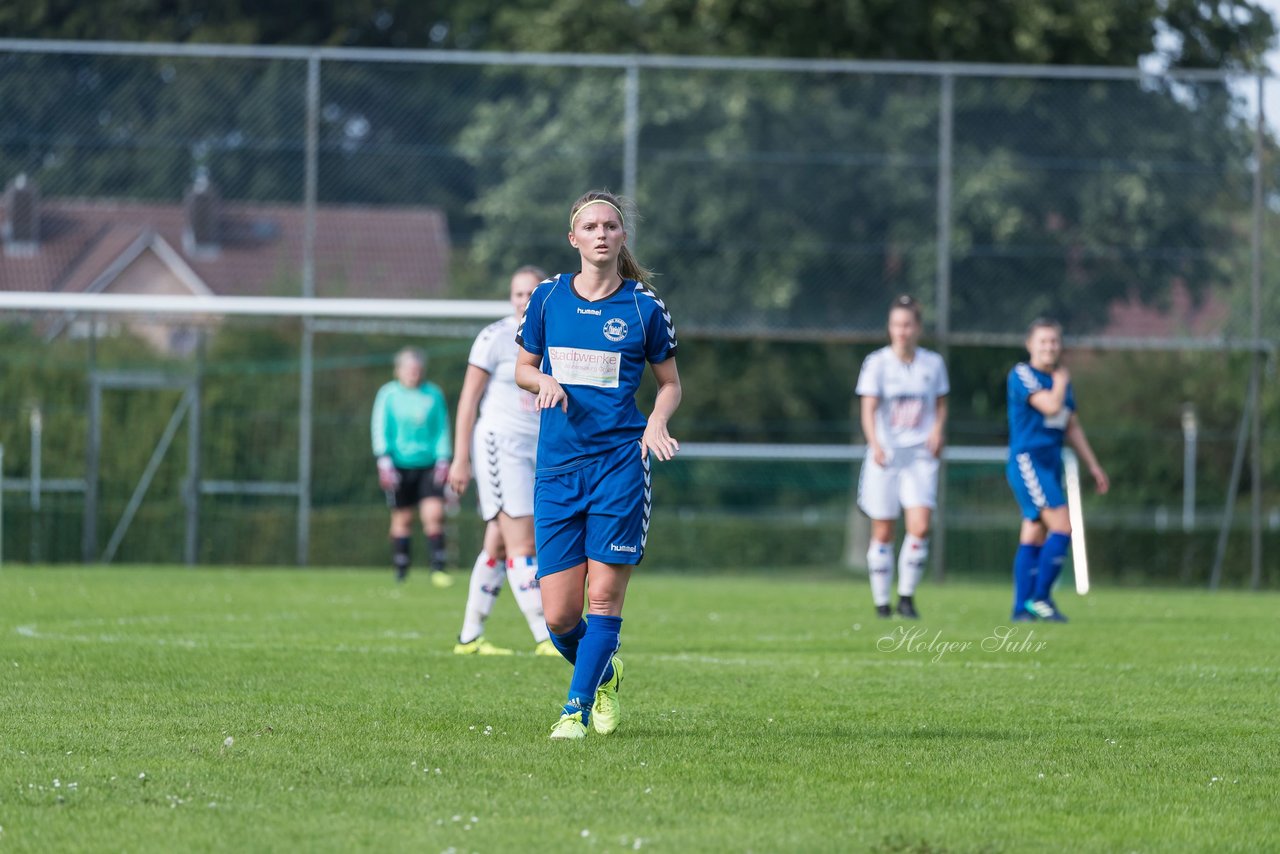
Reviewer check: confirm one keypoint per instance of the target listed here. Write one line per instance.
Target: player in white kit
(503, 441)
(904, 391)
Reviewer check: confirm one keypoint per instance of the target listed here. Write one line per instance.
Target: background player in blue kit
(410, 430)
(1042, 413)
(586, 338)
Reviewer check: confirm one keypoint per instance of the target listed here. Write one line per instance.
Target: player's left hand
(1100, 479)
(658, 441)
(551, 394)
(934, 443)
(459, 476)
(441, 473)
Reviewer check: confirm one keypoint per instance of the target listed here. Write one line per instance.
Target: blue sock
(1052, 555)
(595, 663)
(567, 643)
(1025, 562)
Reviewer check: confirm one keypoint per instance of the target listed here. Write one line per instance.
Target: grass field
(164, 709)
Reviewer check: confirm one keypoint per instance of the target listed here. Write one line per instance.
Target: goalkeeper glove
(388, 477)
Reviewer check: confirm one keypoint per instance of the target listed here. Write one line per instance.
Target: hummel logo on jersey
(595, 311)
(615, 329)
(614, 547)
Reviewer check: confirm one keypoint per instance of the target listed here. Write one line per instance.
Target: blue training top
(1029, 429)
(597, 351)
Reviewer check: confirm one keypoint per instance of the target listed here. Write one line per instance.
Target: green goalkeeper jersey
(411, 425)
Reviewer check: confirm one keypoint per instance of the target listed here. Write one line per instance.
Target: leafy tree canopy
(1188, 33)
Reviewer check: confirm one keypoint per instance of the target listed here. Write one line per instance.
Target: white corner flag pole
(1079, 558)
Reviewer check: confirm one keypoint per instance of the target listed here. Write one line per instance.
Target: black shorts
(415, 485)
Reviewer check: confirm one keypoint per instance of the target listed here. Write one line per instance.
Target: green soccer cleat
(607, 713)
(546, 647)
(480, 646)
(441, 579)
(569, 727)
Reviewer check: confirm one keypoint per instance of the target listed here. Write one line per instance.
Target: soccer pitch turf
(166, 709)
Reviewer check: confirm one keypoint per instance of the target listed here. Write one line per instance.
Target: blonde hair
(628, 266)
(411, 354)
(531, 270)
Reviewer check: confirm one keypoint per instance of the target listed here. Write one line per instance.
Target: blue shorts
(1036, 480)
(598, 511)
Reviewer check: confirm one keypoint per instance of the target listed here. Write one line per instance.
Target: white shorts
(910, 479)
(504, 467)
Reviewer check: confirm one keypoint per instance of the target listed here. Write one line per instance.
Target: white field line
(866, 658)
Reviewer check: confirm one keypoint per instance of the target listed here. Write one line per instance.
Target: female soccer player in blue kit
(585, 340)
(1042, 413)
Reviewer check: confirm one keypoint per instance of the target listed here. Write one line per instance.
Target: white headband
(588, 204)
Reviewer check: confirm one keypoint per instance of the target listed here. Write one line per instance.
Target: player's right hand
(388, 477)
(1061, 376)
(877, 454)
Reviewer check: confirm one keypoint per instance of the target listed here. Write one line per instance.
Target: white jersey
(908, 393)
(506, 408)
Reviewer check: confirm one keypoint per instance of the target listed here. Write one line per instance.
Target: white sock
(486, 584)
(880, 565)
(915, 550)
(522, 574)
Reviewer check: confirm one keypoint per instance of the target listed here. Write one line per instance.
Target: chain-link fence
(777, 197)
(116, 451)
(780, 200)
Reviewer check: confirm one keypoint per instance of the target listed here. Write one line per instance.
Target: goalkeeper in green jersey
(413, 446)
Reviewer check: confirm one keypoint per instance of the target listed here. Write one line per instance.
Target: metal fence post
(631, 133)
(194, 438)
(1255, 331)
(946, 138)
(305, 366)
(89, 536)
(1190, 435)
(37, 467)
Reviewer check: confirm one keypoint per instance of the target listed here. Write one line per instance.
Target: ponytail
(629, 267)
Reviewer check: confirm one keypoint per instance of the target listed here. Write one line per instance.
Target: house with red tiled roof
(209, 246)
(1182, 317)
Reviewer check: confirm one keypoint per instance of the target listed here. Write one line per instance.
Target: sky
(1247, 88)
(1271, 103)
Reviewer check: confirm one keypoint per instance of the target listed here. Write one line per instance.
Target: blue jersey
(597, 351)
(1029, 429)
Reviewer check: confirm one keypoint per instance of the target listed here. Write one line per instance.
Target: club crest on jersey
(615, 329)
